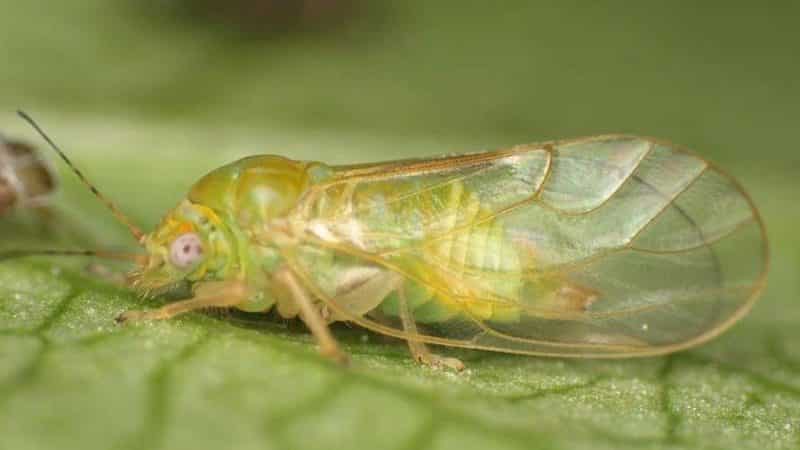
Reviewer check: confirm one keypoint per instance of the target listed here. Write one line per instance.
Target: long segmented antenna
(130, 257)
(134, 230)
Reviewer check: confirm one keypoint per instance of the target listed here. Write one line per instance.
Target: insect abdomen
(456, 254)
(443, 261)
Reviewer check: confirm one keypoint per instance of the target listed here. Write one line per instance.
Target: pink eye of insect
(186, 250)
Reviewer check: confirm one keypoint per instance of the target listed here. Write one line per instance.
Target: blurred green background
(149, 95)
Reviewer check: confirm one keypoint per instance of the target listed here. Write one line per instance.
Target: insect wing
(607, 246)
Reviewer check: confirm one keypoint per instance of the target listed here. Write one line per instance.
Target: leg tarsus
(335, 354)
(133, 316)
(437, 361)
(419, 351)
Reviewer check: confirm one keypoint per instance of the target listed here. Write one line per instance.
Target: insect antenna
(120, 256)
(120, 216)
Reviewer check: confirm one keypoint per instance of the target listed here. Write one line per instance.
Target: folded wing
(665, 250)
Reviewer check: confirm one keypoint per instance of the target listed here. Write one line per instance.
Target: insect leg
(310, 315)
(208, 295)
(420, 351)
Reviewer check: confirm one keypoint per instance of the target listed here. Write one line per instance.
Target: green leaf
(146, 105)
(70, 378)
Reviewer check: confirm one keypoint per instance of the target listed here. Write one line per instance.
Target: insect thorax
(253, 197)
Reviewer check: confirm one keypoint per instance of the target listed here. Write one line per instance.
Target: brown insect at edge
(26, 179)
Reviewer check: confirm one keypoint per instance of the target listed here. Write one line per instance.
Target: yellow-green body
(255, 210)
(602, 246)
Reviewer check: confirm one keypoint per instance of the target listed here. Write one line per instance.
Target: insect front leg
(419, 350)
(310, 315)
(219, 294)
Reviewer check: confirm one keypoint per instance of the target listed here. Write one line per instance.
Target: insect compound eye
(186, 250)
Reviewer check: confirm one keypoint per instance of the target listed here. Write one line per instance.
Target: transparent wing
(608, 246)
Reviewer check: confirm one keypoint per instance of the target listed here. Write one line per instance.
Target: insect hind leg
(419, 350)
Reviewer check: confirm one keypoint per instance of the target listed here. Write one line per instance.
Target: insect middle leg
(310, 315)
(419, 350)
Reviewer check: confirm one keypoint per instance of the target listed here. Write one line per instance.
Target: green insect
(607, 246)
